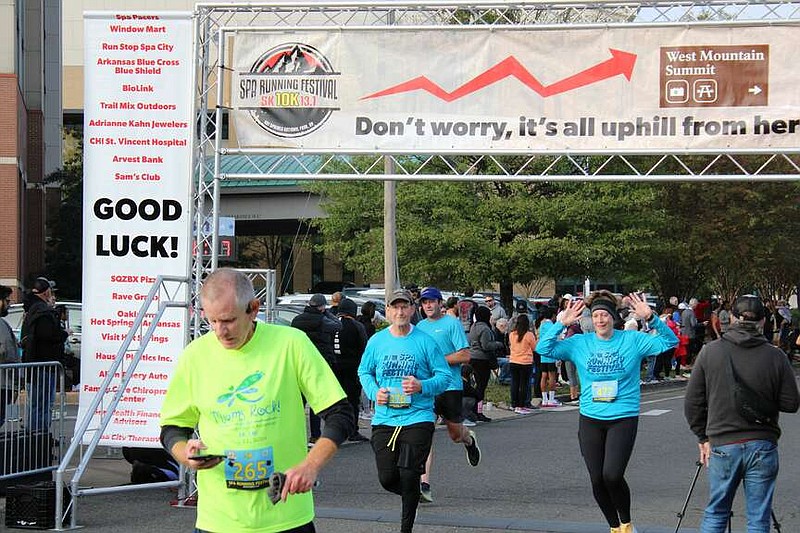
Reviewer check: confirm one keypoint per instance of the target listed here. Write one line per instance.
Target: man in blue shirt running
(402, 369)
(449, 335)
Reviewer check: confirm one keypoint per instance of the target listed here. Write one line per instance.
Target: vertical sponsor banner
(138, 123)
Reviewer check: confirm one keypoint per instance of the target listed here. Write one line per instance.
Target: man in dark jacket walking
(42, 341)
(320, 326)
(736, 447)
(8, 354)
(348, 346)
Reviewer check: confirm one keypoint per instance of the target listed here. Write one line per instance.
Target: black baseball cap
(749, 308)
(348, 307)
(42, 284)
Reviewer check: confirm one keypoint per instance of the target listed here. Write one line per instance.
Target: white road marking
(561, 408)
(655, 412)
(663, 399)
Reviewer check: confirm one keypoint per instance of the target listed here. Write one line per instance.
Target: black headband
(606, 305)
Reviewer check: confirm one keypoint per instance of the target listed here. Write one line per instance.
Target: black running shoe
(473, 452)
(482, 418)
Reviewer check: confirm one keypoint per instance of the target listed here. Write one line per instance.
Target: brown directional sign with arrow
(715, 76)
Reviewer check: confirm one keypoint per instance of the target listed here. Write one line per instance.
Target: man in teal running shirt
(449, 335)
(402, 370)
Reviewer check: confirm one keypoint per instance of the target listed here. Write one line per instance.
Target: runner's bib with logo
(604, 391)
(249, 469)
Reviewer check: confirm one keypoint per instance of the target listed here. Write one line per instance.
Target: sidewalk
(503, 410)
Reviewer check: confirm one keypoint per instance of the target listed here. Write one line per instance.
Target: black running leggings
(606, 446)
(400, 455)
(482, 370)
(520, 384)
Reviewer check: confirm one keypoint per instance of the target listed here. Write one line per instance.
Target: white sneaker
(425, 493)
(468, 423)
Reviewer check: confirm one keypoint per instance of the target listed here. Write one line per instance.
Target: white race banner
(138, 123)
(612, 89)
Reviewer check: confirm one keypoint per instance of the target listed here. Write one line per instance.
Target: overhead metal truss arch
(216, 22)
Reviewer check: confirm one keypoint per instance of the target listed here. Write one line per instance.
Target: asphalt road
(531, 478)
(533, 473)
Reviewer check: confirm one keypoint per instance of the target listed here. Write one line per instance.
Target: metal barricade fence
(33, 398)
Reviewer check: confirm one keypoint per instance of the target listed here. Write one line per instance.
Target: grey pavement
(350, 500)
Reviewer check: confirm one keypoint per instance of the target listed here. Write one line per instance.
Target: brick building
(30, 118)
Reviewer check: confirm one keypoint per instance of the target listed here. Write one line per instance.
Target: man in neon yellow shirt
(241, 387)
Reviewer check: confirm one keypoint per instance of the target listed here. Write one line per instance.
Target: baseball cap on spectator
(748, 308)
(42, 284)
(567, 296)
(400, 295)
(682, 306)
(431, 293)
(317, 300)
(348, 307)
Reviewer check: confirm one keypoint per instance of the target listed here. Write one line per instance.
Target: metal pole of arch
(389, 233)
(390, 277)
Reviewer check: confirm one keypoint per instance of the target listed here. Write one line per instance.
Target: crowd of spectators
(695, 322)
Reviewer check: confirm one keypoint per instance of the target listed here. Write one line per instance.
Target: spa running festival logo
(298, 88)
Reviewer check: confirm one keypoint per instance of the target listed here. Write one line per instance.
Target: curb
(504, 410)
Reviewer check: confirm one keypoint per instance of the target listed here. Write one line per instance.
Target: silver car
(72, 324)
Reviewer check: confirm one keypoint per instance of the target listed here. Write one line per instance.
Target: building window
(73, 123)
(348, 276)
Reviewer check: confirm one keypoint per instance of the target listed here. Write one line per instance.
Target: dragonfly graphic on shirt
(242, 390)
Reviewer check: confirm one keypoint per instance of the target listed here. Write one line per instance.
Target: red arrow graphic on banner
(620, 63)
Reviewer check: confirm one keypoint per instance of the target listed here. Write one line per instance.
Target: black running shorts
(411, 446)
(449, 405)
(548, 367)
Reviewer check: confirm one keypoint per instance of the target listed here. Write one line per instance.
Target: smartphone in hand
(206, 457)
